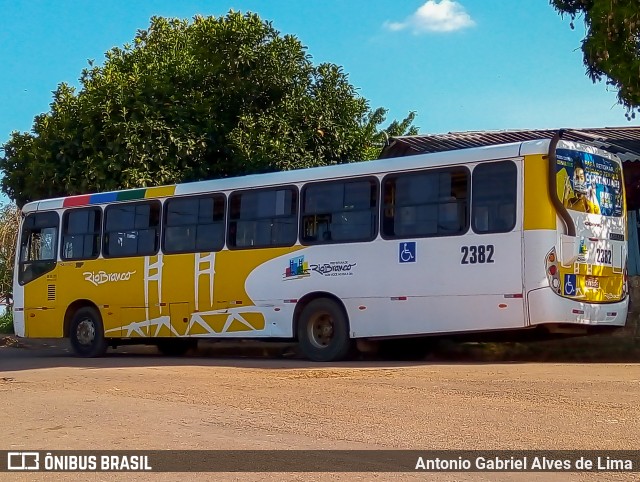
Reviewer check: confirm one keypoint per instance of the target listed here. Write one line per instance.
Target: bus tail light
(551, 268)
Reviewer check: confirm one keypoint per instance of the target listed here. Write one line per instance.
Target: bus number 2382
(477, 254)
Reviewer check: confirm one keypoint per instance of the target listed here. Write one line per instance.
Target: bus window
(426, 203)
(194, 224)
(38, 245)
(339, 211)
(263, 218)
(494, 190)
(81, 234)
(131, 229)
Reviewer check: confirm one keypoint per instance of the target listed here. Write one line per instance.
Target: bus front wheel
(323, 331)
(87, 334)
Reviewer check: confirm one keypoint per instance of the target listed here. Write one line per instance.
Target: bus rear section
(576, 253)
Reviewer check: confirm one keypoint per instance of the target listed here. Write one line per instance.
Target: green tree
(210, 98)
(611, 47)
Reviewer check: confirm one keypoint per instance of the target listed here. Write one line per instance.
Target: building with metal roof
(623, 141)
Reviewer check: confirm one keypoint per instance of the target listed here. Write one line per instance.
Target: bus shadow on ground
(26, 354)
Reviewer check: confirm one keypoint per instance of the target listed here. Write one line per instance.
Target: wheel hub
(86, 332)
(321, 331)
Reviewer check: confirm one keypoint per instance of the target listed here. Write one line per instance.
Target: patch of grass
(6, 322)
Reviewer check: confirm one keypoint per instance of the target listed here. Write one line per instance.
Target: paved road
(134, 399)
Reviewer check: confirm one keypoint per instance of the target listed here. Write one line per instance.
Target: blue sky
(465, 65)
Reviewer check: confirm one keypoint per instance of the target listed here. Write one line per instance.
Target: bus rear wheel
(323, 331)
(87, 333)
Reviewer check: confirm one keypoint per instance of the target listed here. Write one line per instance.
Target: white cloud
(435, 16)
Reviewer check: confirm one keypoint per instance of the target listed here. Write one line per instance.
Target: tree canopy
(611, 47)
(191, 100)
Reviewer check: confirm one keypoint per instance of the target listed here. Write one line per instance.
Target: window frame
(104, 244)
(434, 170)
(375, 210)
(65, 217)
(488, 164)
(165, 214)
(229, 220)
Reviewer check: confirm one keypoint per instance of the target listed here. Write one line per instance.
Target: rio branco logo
(102, 277)
(301, 268)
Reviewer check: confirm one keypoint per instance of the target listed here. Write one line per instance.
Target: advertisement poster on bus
(588, 183)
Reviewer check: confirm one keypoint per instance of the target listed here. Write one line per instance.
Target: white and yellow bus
(526, 237)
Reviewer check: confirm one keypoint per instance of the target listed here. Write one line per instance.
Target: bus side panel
(201, 294)
(384, 295)
(208, 295)
(433, 315)
(110, 284)
(134, 294)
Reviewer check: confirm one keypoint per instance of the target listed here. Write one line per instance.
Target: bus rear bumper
(546, 307)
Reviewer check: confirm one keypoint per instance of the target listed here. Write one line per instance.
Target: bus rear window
(589, 183)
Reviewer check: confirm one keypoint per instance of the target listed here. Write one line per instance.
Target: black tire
(86, 333)
(176, 347)
(323, 331)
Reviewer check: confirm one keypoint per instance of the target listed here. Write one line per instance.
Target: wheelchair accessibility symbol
(407, 252)
(570, 284)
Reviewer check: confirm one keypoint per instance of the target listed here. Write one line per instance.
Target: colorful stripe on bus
(108, 197)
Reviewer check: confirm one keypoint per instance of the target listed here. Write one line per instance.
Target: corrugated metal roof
(623, 141)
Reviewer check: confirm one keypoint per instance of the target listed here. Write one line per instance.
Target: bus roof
(379, 166)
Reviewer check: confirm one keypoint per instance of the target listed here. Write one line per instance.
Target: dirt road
(133, 399)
